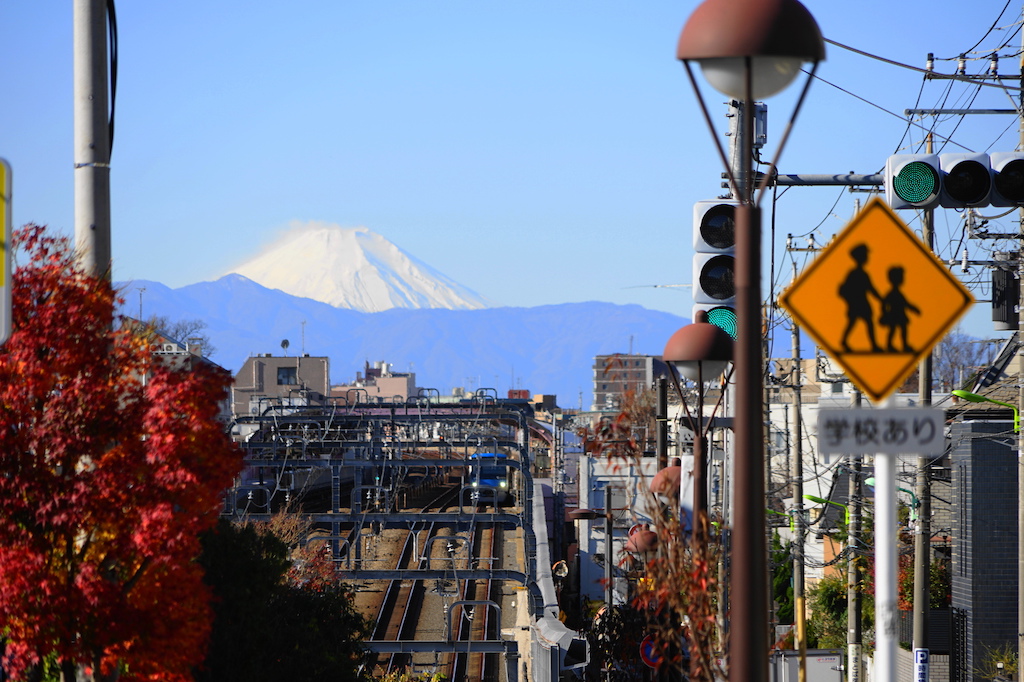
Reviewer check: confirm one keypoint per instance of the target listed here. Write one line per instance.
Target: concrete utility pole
(92, 137)
(797, 474)
(799, 615)
(853, 602)
(923, 491)
(854, 613)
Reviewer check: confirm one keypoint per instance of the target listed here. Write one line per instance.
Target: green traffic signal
(917, 183)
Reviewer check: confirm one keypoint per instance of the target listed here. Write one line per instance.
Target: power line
(930, 73)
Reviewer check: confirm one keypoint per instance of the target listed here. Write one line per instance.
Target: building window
(287, 375)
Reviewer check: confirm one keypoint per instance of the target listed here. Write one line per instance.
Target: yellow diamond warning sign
(876, 300)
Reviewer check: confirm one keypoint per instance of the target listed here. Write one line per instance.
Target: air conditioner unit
(169, 348)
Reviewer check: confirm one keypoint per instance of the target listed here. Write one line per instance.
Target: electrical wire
(929, 74)
(112, 24)
(987, 33)
(891, 113)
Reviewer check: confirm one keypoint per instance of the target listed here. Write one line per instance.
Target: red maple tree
(110, 466)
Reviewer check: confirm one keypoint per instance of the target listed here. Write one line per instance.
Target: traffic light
(927, 181)
(966, 180)
(912, 181)
(1008, 183)
(714, 262)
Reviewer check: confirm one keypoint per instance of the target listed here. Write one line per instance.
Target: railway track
(402, 488)
(476, 618)
(451, 608)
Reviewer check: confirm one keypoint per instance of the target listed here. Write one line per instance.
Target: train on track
(488, 479)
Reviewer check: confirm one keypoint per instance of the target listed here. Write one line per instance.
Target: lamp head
(699, 350)
(666, 481)
(642, 542)
(583, 514)
(778, 36)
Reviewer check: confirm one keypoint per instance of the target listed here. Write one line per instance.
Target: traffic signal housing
(1005, 298)
(912, 181)
(969, 180)
(1008, 181)
(714, 262)
(966, 180)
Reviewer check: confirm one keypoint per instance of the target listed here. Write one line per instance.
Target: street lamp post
(749, 49)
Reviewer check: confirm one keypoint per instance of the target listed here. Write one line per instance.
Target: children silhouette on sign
(895, 308)
(855, 290)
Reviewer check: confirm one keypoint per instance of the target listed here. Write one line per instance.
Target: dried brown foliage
(678, 588)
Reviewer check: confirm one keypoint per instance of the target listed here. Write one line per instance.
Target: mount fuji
(353, 268)
(354, 297)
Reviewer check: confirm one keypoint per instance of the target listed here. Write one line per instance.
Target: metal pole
(748, 649)
(609, 547)
(700, 486)
(92, 137)
(558, 479)
(885, 567)
(662, 417)
(1020, 436)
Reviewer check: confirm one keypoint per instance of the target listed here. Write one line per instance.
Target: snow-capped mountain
(545, 349)
(352, 296)
(353, 268)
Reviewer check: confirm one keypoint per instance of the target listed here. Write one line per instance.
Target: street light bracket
(822, 500)
(976, 398)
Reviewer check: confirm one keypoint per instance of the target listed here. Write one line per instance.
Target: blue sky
(536, 152)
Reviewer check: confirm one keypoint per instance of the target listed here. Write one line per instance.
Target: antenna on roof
(284, 345)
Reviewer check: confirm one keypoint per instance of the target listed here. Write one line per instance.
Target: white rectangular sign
(893, 431)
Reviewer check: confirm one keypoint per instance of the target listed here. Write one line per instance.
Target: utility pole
(853, 601)
(797, 475)
(799, 617)
(92, 137)
(923, 491)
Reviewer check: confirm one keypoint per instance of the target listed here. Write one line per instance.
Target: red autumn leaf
(110, 466)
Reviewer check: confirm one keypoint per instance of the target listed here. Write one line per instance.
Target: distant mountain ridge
(353, 268)
(546, 349)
